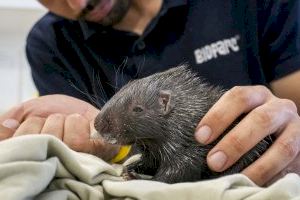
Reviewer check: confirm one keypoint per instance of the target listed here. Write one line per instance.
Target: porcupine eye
(138, 109)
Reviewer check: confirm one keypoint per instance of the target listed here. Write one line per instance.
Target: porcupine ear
(165, 101)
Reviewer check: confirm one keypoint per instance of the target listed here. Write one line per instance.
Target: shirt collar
(89, 29)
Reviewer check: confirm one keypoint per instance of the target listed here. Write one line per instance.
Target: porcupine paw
(130, 175)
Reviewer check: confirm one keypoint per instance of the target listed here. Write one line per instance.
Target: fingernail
(203, 134)
(11, 123)
(217, 160)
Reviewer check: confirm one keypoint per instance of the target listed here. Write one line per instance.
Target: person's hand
(74, 130)
(67, 118)
(45, 105)
(267, 114)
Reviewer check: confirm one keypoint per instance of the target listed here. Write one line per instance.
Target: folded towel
(42, 167)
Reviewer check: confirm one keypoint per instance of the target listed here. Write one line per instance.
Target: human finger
(11, 124)
(5, 132)
(259, 123)
(7, 128)
(15, 113)
(76, 132)
(90, 113)
(240, 99)
(292, 167)
(54, 125)
(77, 135)
(44, 106)
(32, 125)
(277, 157)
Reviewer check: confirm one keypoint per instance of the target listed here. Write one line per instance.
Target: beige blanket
(43, 168)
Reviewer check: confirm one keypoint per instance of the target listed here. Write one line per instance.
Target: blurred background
(16, 19)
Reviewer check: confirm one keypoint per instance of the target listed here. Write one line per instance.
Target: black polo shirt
(237, 42)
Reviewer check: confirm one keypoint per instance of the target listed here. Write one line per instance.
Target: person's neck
(139, 15)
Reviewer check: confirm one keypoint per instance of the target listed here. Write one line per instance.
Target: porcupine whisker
(102, 91)
(90, 97)
(122, 67)
(118, 76)
(140, 66)
(97, 82)
(116, 86)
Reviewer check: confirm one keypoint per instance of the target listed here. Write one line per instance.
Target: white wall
(16, 19)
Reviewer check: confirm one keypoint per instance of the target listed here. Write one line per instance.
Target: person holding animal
(88, 49)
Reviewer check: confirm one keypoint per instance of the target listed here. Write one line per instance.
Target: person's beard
(116, 14)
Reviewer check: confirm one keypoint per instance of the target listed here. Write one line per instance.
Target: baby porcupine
(158, 115)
